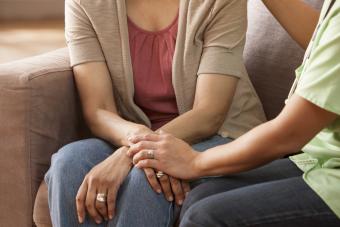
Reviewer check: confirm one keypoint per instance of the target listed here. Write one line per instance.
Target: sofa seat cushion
(41, 213)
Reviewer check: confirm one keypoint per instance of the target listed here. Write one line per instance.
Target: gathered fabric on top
(151, 56)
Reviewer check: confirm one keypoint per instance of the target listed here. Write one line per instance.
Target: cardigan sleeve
(224, 39)
(81, 38)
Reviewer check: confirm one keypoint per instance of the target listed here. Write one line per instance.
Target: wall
(31, 9)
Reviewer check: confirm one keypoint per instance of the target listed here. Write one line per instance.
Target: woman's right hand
(105, 178)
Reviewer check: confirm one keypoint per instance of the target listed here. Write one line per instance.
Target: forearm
(113, 128)
(298, 18)
(194, 126)
(261, 145)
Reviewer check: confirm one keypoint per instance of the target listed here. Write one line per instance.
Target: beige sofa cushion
(271, 56)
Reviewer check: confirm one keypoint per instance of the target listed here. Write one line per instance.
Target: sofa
(40, 111)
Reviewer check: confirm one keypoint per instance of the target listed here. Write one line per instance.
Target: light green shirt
(319, 82)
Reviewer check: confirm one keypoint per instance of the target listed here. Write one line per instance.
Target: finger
(143, 145)
(148, 163)
(166, 187)
(148, 137)
(144, 154)
(80, 201)
(101, 207)
(186, 188)
(177, 190)
(111, 201)
(151, 176)
(162, 132)
(90, 203)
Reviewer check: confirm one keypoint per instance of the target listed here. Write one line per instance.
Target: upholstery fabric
(38, 114)
(39, 110)
(271, 56)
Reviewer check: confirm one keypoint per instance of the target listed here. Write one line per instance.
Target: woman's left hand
(169, 155)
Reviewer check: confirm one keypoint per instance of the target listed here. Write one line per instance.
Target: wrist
(199, 165)
(123, 158)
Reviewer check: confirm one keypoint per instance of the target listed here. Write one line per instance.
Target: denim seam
(170, 215)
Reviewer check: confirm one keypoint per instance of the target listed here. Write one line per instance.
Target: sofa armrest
(39, 112)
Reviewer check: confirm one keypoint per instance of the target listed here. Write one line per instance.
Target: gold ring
(101, 197)
(159, 174)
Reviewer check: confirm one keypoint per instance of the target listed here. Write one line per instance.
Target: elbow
(286, 140)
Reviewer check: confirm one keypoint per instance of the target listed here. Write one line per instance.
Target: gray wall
(31, 9)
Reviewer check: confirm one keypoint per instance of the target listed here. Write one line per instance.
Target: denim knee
(76, 159)
(198, 216)
(136, 198)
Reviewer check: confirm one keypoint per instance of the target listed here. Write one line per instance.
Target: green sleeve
(320, 80)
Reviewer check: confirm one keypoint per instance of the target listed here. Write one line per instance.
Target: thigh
(76, 159)
(276, 170)
(287, 202)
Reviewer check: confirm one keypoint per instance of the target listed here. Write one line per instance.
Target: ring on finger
(150, 154)
(159, 174)
(101, 197)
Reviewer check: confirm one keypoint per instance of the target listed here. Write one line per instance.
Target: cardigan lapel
(127, 75)
(177, 69)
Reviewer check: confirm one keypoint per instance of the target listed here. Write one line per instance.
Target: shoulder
(219, 4)
(95, 3)
(229, 8)
(214, 8)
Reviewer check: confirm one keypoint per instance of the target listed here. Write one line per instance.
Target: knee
(193, 197)
(137, 179)
(198, 215)
(72, 159)
(135, 187)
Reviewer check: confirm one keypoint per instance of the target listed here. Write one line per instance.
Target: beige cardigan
(210, 40)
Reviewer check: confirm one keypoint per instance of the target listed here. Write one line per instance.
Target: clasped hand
(169, 154)
(107, 177)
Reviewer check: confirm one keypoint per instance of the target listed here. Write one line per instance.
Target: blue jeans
(137, 204)
(274, 195)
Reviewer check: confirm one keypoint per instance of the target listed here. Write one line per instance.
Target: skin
(102, 117)
(298, 123)
(298, 18)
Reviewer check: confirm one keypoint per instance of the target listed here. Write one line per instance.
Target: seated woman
(302, 190)
(141, 66)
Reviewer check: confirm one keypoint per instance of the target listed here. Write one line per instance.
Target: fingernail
(159, 191)
(180, 202)
(170, 198)
(186, 194)
(110, 216)
(98, 221)
(80, 219)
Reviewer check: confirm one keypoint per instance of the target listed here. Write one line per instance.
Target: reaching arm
(299, 122)
(298, 18)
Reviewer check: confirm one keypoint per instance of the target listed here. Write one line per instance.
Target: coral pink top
(152, 54)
